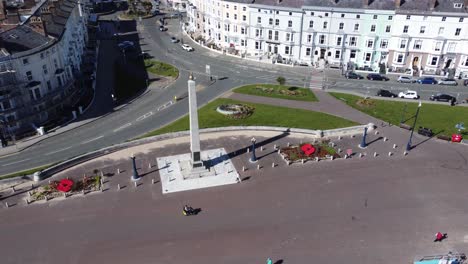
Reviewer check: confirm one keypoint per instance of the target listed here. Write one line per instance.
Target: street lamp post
(363, 142)
(135, 176)
(253, 158)
(408, 146)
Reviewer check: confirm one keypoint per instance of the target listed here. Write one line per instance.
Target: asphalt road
(153, 109)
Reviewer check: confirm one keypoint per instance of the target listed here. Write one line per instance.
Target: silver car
(406, 79)
(448, 81)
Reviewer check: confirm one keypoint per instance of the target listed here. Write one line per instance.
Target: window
(322, 39)
(370, 43)
(400, 58)
(356, 27)
(367, 56)
(341, 26)
(55, 64)
(227, 6)
(270, 34)
(388, 29)
(405, 29)
(311, 23)
(42, 55)
(270, 21)
(235, 7)
(258, 33)
(25, 61)
(384, 43)
(276, 35)
(227, 15)
(375, 16)
(259, 20)
(352, 41)
(308, 52)
(309, 38)
(417, 44)
(434, 61)
(312, 13)
(6, 105)
(422, 30)
(372, 28)
(441, 30)
(352, 54)
(257, 45)
(277, 12)
(390, 17)
(325, 25)
(244, 18)
(326, 14)
(242, 42)
(235, 16)
(408, 17)
(337, 54)
(444, 18)
(288, 36)
(49, 86)
(438, 45)
(466, 62)
(44, 69)
(403, 44)
(37, 93)
(244, 8)
(358, 16)
(290, 13)
(242, 30)
(460, 20)
(277, 22)
(457, 5)
(451, 46)
(286, 50)
(289, 23)
(338, 41)
(29, 75)
(457, 32)
(342, 15)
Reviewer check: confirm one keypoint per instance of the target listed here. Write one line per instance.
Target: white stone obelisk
(194, 133)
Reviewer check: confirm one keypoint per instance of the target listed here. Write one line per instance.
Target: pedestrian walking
(439, 237)
(269, 261)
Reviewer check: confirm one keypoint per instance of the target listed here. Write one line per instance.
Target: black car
(386, 93)
(425, 131)
(442, 97)
(376, 77)
(353, 75)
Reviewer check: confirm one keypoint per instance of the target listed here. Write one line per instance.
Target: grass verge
(161, 68)
(278, 91)
(24, 172)
(263, 115)
(440, 118)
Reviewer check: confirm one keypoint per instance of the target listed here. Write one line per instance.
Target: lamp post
(135, 176)
(363, 142)
(408, 146)
(253, 158)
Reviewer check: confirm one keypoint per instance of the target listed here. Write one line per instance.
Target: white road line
(53, 152)
(122, 127)
(87, 141)
(11, 163)
(144, 116)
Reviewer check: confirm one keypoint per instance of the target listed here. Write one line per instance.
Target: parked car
(427, 80)
(376, 77)
(442, 97)
(447, 81)
(408, 95)
(406, 79)
(425, 131)
(386, 93)
(162, 28)
(465, 82)
(353, 75)
(174, 40)
(125, 45)
(187, 47)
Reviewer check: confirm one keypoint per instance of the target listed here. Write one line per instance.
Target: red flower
(308, 149)
(65, 185)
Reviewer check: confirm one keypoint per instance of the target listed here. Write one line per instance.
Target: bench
(405, 126)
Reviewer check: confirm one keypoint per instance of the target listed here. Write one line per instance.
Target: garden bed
(278, 91)
(309, 151)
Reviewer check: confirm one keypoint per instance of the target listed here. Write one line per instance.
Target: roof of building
(21, 38)
(405, 5)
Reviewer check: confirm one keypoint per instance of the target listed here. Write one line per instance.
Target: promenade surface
(382, 209)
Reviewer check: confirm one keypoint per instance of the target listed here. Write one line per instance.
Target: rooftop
(21, 38)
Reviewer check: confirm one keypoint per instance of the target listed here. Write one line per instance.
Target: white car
(406, 79)
(187, 47)
(408, 95)
(447, 81)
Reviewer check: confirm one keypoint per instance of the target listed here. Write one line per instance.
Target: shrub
(281, 80)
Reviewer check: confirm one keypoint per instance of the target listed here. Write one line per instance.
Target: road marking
(87, 141)
(122, 127)
(144, 116)
(53, 152)
(19, 161)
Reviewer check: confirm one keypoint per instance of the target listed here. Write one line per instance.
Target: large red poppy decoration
(308, 149)
(65, 185)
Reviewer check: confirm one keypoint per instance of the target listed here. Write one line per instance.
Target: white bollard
(13, 188)
(248, 150)
(136, 185)
(118, 187)
(279, 151)
(385, 139)
(352, 136)
(273, 165)
(102, 174)
(389, 153)
(27, 201)
(316, 159)
(65, 195)
(6, 204)
(152, 181)
(29, 194)
(83, 192)
(332, 157)
(118, 171)
(258, 166)
(345, 156)
(405, 153)
(375, 154)
(376, 132)
(339, 137)
(149, 165)
(394, 146)
(261, 148)
(339, 150)
(274, 147)
(47, 198)
(243, 168)
(288, 144)
(302, 161)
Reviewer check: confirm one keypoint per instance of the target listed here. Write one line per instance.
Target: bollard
(13, 188)
(49, 181)
(29, 194)
(261, 148)
(136, 185)
(385, 139)
(101, 188)
(273, 165)
(345, 156)
(149, 165)
(339, 137)
(302, 161)
(376, 132)
(288, 144)
(243, 168)
(375, 154)
(83, 192)
(118, 171)
(258, 166)
(102, 181)
(32, 186)
(6, 204)
(47, 198)
(279, 151)
(394, 146)
(316, 159)
(102, 174)
(389, 153)
(360, 155)
(332, 157)
(339, 150)
(64, 195)
(274, 147)
(405, 153)
(288, 162)
(352, 136)
(27, 201)
(248, 150)
(118, 186)
(152, 181)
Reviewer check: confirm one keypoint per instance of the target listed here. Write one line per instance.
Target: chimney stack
(365, 3)
(397, 3)
(432, 4)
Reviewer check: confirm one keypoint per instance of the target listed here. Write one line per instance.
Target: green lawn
(161, 68)
(440, 118)
(25, 172)
(264, 115)
(278, 91)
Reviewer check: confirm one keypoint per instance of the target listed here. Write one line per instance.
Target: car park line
(122, 127)
(11, 163)
(91, 140)
(57, 151)
(144, 116)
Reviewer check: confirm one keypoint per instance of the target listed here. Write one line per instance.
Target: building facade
(39, 64)
(411, 36)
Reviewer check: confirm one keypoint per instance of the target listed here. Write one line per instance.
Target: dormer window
(457, 5)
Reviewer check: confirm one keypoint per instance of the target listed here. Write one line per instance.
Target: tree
(281, 80)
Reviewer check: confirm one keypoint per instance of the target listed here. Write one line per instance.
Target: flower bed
(308, 151)
(235, 111)
(57, 188)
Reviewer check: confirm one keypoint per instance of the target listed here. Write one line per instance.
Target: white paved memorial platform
(177, 175)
